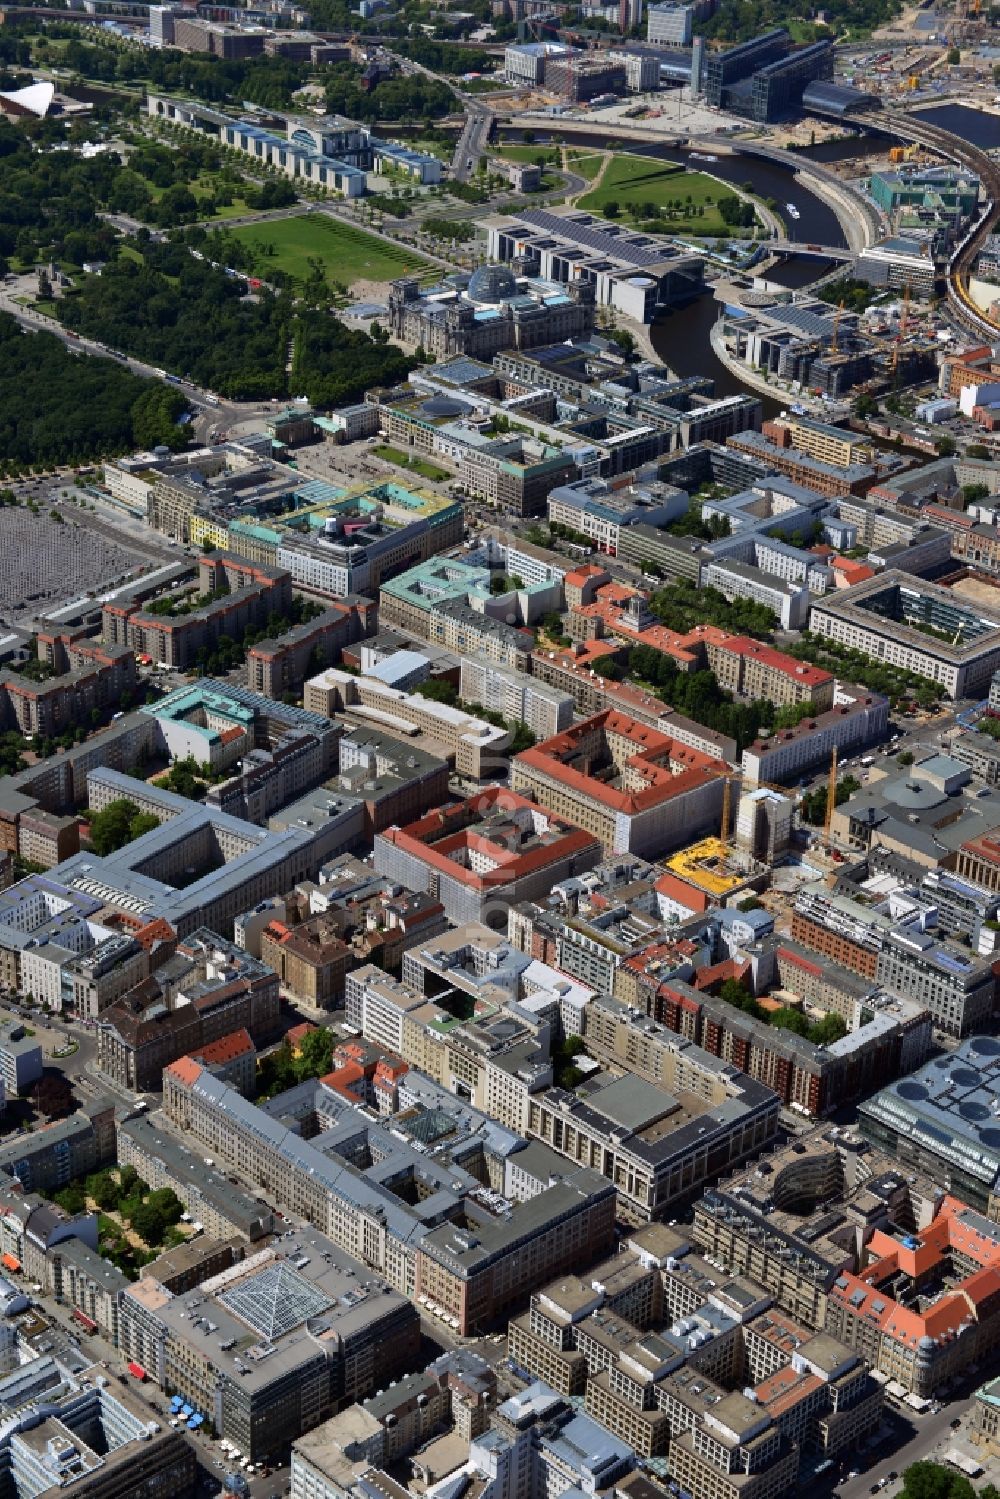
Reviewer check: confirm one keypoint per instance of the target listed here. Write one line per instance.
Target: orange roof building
(637, 790)
(744, 666)
(496, 849)
(947, 1279)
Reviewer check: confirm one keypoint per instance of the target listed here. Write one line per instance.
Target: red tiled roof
(226, 1048)
(186, 1071)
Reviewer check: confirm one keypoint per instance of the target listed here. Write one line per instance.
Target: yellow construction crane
(904, 316)
(831, 795)
(836, 324)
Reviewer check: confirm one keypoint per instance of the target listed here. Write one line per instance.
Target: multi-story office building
(941, 1121)
(922, 627)
(788, 602)
(525, 62)
(467, 1259)
(396, 781)
(670, 25)
(325, 1343)
(724, 69)
(776, 89)
(633, 789)
(481, 856)
(591, 507)
(626, 269)
(655, 1156)
(200, 867)
(20, 1059)
(67, 1429)
(952, 189)
(922, 1338)
(476, 746)
(820, 440)
(812, 473)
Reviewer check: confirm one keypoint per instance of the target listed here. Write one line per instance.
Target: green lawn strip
(415, 465)
(349, 254)
(632, 182)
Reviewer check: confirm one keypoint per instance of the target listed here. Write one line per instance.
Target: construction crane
(836, 324)
(727, 796)
(905, 314)
(831, 795)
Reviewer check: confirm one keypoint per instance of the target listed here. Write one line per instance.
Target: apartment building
(857, 720)
(97, 676)
(516, 697)
(277, 667)
(224, 1209)
(633, 789)
(241, 595)
(53, 1154)
(836, 445)
(826, 478)
(209, 989)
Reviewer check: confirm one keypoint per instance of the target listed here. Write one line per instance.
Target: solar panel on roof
(599, 240)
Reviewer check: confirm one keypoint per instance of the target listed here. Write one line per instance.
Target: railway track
(963, 153)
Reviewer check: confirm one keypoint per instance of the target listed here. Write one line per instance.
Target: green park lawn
(633, 182)
(348, 254)
(415, 465)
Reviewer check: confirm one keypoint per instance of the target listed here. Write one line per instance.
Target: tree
(438, 690)
(120, 822)
(71, 1199)
(131, 1182)
(954, 57)
(167, 1203)
(973, 493)
(946, 447)
(315, 1057)
(827, 1030)
(104, 1190)
(149, 1223)
(52, 1095)
(611, 209)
